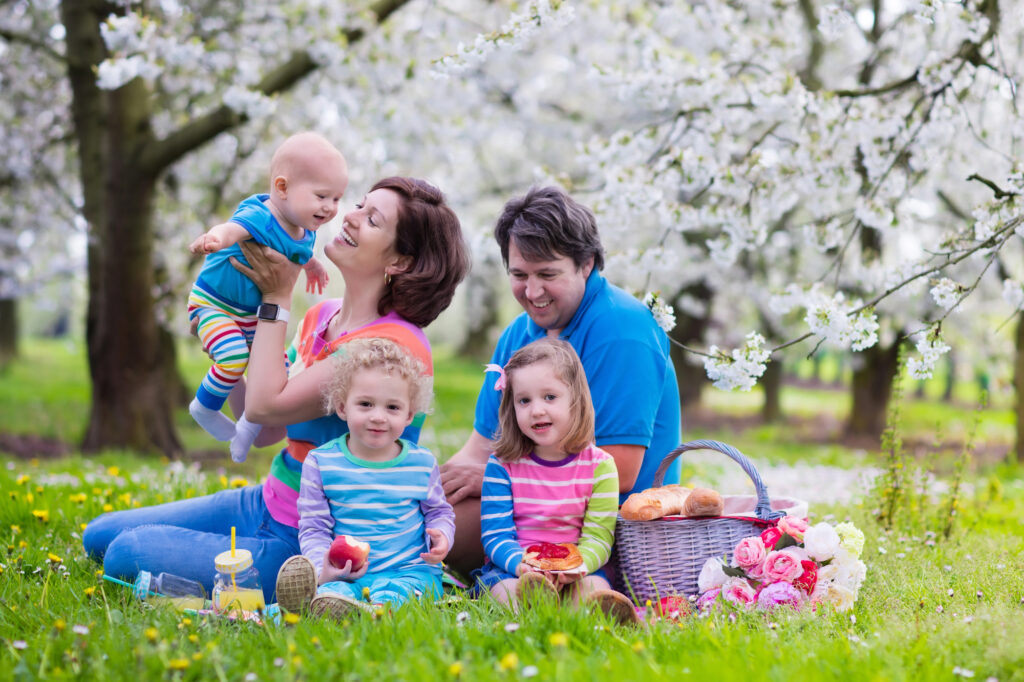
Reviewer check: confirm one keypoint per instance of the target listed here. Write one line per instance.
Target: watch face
(267, 311)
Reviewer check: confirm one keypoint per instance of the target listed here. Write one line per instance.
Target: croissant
(703, 502)
(655, 503)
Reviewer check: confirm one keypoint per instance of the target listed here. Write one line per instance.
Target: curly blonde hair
(511, 443)
(382, 354)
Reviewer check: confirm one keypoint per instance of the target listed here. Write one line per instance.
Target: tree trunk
(771, 382)
(947, 389)
(1018, 387)
(478, 344)
(689, 330)
(871, 390)
(8, 330)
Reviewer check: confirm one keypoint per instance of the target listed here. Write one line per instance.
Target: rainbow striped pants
(226, 332)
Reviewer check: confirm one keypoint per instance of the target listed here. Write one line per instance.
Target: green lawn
(930, 609)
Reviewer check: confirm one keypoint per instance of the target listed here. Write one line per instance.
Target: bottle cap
(142, 583)
(225, 563)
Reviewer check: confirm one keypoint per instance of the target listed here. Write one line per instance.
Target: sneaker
(296, 584)
(535, 583)
(615, 605)
(337, 606)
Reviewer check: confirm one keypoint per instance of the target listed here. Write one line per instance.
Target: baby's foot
(245, 435)
(214, 422)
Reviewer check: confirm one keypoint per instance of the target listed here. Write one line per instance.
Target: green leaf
(733, 571)
(785, 541)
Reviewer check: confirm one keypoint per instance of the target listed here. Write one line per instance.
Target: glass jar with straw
(236, 584)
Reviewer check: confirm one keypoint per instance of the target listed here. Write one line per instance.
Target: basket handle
(763, 510)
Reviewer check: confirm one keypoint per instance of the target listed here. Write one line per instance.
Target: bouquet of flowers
(791, 564)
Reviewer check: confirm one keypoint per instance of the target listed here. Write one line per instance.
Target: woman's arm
(271, 399)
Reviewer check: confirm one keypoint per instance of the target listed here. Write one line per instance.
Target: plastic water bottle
(182, 592)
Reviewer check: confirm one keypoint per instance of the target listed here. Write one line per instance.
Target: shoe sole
(336, 606)
(535, 583)
(296, 584)
(616, 606)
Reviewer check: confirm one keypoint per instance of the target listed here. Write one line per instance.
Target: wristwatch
(271, 312)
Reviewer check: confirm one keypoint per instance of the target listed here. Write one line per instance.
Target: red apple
(346, 548)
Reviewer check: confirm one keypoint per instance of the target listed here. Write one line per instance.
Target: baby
(307, 179)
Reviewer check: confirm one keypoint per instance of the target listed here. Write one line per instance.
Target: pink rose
(749, 553)
(769, 536)
(739, 591)
(707, 600)
(779, 594)
(793, 526)
(782, 565)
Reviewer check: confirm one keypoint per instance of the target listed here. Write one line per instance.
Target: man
(551, 249)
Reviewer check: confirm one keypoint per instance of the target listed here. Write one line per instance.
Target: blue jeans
(184, 537)
(393, 588)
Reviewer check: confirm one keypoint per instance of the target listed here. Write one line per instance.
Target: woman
(401, 255)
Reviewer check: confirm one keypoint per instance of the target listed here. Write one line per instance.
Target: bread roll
(703, 502)
(655, 503)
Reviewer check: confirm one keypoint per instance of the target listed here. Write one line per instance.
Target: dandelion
(54, 559)
(638, 647)
(186, 621)
(23, 479)
(291, 618)
(80, 630)
(315, 641)
(509, 661)
(297, 660)
(113, 471)
(223, 481)
(59, 625)
(15, 529)
(455, 669)
(239, 482)
(558, 639)
(151, 634)
(108, 507)
(194, 638)
(178, 663)
(42, 514)
(78, 498)
(197, 656)
(511, 627)
(29, 497)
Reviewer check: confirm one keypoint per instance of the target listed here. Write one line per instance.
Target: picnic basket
(653, 559)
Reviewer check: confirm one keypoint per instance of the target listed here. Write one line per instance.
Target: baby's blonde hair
(382, 354)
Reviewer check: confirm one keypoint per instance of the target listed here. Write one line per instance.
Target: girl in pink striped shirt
(547, 482)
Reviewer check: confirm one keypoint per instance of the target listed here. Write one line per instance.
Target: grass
(929, 607)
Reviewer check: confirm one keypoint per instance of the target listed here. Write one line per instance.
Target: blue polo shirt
(220, 278)
(632, 380)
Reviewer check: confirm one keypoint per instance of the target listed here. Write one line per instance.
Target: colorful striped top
(389, 504)
(281, 488)
(533, 500)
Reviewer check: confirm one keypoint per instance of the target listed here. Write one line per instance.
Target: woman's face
(365, 245)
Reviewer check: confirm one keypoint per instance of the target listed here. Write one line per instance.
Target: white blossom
(741, 368)
(930, 348)
(946, 293)
(663, 313)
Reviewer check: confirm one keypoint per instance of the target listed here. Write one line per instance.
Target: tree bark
(8, 330)
(771, 383)
(1018, 387)
(477, 343)
(871, 390)
(690, 330)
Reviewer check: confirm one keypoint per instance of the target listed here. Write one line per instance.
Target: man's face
(550, 291)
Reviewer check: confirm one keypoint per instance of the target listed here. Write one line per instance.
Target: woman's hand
(270, 271)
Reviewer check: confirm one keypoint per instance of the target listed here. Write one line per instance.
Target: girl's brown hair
(512, 444)
(429, 233)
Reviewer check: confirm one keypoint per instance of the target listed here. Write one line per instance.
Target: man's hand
(462, 478)
(206, 243)
(438, 547)
(316, 276)
(329, 573)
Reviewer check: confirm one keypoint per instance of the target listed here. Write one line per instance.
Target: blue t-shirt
(625, 355)
(219, 277)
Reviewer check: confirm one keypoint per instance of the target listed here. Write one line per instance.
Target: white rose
(821, 542)
(711, 575)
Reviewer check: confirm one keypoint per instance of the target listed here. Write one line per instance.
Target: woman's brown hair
(429, 232)
(512, 444)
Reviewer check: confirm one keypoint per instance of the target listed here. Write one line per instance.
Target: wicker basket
(662, 557)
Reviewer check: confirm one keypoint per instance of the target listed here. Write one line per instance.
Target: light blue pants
(391, 587)
(183, 537)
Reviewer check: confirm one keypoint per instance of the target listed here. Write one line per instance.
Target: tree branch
(881, 89)
(996, 190)
(162, 153)
(32, 42)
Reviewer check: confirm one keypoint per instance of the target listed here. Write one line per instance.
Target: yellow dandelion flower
(291, 618)
(223, 481)
(108, 507)
(291, 647)
(193, 638)
(197, 656)
(83, 526)
(509, 661)
(638, 647)
(29, 497)
(41, 514)
(558, 639)
(13, 494)
(78, 497)
(53, 558)
(113, 471)
(125, 498)
(151, 634)
(366, 593)
(239, 482)
(315, 641)
(178, 663)
(647, 603)
(23, 479)
(89, 591)
(455, 668)
(136, 504)
(97, 491)
(15, 529)
(297, 660)
(39, 488)
(59, 625)
(186, 621)
(99, 573)
(22, 544)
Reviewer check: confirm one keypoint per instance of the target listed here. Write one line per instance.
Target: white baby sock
(214, 422)
(245, 434)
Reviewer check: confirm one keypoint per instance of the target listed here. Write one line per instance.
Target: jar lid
(225, 563)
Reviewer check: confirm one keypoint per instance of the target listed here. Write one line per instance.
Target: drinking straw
(131, 585)
(233, 583)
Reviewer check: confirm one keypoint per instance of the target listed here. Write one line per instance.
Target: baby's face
(313, 200)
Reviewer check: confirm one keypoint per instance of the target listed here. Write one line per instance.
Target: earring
(387, 279)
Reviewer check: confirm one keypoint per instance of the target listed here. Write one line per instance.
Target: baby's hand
(567, 578)
(316, 276)
(206, 243)
(329, 573)
(438, 547)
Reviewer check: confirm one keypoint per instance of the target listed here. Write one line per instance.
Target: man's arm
(628, 459)
(463, 474)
